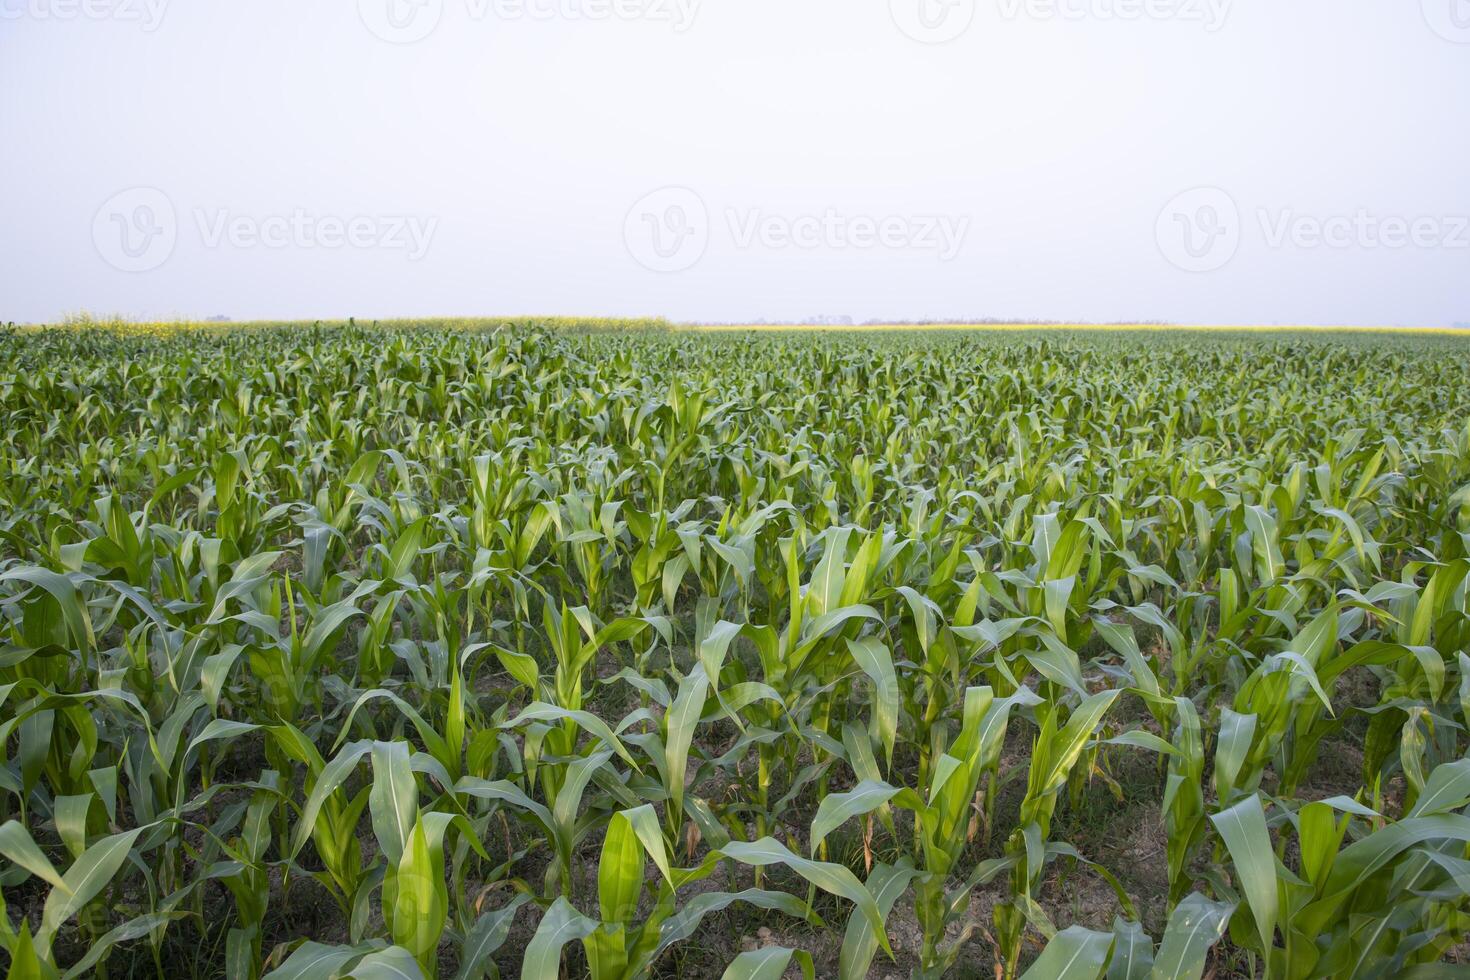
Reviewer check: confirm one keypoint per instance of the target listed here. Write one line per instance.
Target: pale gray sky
(1210, 161)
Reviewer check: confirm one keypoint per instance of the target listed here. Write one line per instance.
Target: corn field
(538, 651)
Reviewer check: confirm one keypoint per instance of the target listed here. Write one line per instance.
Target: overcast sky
(1204, 161)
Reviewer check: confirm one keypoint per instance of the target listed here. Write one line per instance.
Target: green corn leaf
(1231, 750)
(560, 925)
(1361, 859)
(588, 721)
(1065, 747)
(859, 943)
(25, 962)
(1196, 925)
(683, 923)
(1446, 789)
(506, 792)
(1263, 528)
(64, 591)
(1138, 738)
(1120, 637)
(831, 878)
(1058, 664)
(332, 777)
(620, 871)
(838, 808)
(84, 881)
(876, 661)
(419, 905)
(70, 816)
(769, 963)
(680, 722)
(16, 845)
(393, 800)
(129, 931)
(644, 823)
(1074, 953)
(393, 963)
(1319, 834)
(714, 648)
(485, 937)
(1243, 829)
(314, 961)
(1133, 952)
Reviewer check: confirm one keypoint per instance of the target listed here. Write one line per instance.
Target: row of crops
(416, 653)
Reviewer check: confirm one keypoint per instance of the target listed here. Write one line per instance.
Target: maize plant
(467, 649)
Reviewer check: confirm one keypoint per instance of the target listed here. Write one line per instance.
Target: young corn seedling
(1055, 752)
(620, 946)
(1386, 902)
(943, 826)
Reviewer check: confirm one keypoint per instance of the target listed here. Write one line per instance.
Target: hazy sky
(1208, 161)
